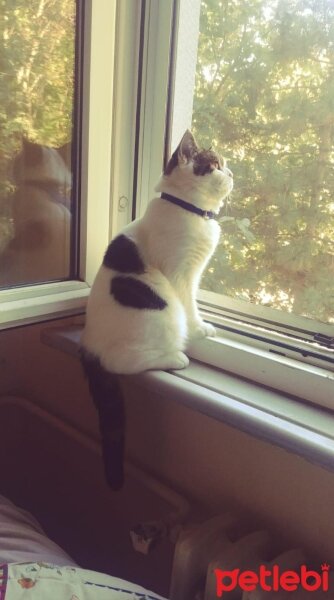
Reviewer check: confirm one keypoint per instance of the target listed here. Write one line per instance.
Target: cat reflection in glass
(40, 210)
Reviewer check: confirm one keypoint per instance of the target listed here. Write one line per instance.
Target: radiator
(228, 543)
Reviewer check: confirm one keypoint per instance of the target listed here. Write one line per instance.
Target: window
(264, 94)
(104, 36)
(255, 80)
(39, 134)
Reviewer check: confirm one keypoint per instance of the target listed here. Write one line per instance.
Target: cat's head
(197, 176)
(41, 163)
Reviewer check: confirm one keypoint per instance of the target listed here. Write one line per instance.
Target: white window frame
(110, 82)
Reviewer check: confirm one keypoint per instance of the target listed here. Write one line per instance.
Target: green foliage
(265, 98)
(36, 82)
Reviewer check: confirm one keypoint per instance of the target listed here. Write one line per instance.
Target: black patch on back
(135, 294)
(122, 255)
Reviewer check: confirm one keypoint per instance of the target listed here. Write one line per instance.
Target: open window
(255, 80)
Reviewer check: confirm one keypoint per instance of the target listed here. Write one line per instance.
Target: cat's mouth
(226, 187)
(225, 184)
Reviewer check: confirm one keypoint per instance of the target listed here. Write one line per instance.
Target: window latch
(324, 340)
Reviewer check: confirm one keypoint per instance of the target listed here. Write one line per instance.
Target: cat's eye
(212, 167)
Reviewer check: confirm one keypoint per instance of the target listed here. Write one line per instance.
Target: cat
(41, 215)
(142, 309)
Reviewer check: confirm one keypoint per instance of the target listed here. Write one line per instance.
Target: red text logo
(272, 580)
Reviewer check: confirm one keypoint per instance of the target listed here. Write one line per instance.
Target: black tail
(108, 399)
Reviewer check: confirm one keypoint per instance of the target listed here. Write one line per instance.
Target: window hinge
(324, 340)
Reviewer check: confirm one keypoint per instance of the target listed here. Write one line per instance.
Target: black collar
(206, 214)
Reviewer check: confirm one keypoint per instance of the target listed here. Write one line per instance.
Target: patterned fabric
(41, 581)
(29, 571)
(3, 581)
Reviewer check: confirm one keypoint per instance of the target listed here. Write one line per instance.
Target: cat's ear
(187, 148)
(65, 152)
(185, 151)
(30, 155)
(32, 152)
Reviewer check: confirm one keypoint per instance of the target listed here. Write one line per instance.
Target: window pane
(264, 96)
(37, 82)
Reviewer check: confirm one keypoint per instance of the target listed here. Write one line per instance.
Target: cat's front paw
(176, 360)
(210, 330)
(201, 330)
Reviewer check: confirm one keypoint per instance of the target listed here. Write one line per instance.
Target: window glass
(264, 96)
(37, 90)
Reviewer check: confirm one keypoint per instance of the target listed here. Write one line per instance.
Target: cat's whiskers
(227, 203)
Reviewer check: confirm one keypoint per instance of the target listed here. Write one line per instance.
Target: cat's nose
(230, 174)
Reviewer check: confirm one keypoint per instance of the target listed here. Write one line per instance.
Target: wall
(48, 377)
(215, 464)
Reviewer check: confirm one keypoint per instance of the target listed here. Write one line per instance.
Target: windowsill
(292, 377)
(302, 429)
(25, 305)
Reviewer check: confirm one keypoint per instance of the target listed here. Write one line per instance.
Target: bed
(33, 566)
(56, 473)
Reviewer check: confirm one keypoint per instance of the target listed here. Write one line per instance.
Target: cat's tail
(107, 396)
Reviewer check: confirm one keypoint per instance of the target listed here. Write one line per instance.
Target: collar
(206, 214)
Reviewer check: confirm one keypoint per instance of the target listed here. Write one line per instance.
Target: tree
(265, 96)
(36, 83)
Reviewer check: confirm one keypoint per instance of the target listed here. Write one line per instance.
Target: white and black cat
(142, 309)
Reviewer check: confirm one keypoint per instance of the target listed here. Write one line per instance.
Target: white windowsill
(49, 301)
(312, 383)
(309, 382)
(303, 429)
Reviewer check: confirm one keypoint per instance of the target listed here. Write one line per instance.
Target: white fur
(175, 246)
